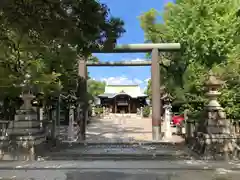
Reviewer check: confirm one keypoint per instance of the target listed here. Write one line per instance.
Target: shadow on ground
(106, 131)
(105, 142)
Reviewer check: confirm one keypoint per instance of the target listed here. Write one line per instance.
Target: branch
(164, 66)
(18, 51)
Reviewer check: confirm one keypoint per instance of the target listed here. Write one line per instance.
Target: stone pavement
(119, 137)
(120, 170)
(122, 128)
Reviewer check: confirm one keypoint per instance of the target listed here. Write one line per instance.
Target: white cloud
(135, 60)
(138, 59)
(122, 80)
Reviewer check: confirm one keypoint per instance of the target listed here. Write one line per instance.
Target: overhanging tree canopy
(208, 32)
(43, 38)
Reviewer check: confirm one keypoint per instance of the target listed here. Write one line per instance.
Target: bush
(98, 110)
(146, 111)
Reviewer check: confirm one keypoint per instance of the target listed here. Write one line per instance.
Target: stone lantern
(216, 115)
(216, 140)
(218, 127)
(25, 129)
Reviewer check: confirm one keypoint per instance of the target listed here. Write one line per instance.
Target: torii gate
(154, 49)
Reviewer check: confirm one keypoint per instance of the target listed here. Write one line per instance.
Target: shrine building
(123, 98)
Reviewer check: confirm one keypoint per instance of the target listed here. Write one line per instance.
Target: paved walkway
(120, 170)
(119, 137)
(122, 128)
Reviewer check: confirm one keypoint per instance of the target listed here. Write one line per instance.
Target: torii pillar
(82, 94)
(156, 96)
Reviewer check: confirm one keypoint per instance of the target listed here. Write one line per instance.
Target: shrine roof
(112, 95)
(112, 91)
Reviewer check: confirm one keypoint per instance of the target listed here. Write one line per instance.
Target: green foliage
(148, 91)
(230, 73)
(146, 111)
(95, 88)
(45, 39)
(208, 32)
(99, 110)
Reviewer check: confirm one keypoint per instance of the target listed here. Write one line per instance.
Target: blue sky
(128, 11)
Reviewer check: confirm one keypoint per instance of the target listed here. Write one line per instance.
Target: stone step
(75, 151)
(124, 144)
(93, 157)
(111, 153)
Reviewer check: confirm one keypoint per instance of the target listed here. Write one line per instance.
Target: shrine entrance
(122, 103)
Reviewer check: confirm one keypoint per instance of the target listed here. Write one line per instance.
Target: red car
(177, 119)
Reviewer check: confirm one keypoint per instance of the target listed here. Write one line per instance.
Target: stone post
(141, 112)
(58, 115)
(93, 111)
(167, 121)
(71, 124)
(188, 127)
(40, 114)
(104, 111)
(52, 116)
(167, 116)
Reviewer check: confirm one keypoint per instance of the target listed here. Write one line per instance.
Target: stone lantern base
(216, 146)
(24, 135)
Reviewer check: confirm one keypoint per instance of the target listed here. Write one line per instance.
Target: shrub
(98, 110)
(146, 111)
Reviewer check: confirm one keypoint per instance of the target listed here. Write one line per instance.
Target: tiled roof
(112, 95)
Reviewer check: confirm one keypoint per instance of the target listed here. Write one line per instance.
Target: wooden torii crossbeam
(155, 76)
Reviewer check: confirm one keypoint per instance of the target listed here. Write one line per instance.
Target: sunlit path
(121, 128)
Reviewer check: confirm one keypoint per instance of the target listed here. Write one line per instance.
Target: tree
(95, 88)
(43, 38)
(148, 91)
(208, 32)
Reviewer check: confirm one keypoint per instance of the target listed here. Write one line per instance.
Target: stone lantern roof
(166, 97)
(213, 81)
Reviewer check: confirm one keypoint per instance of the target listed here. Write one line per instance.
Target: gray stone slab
(111, 170)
